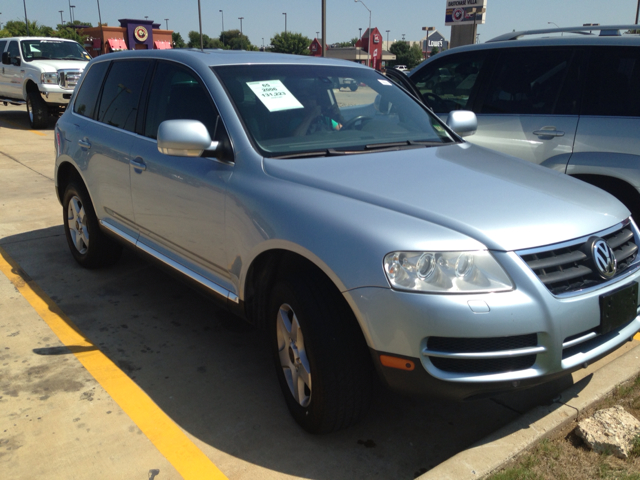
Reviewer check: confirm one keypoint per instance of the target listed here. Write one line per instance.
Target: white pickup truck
(40, 72)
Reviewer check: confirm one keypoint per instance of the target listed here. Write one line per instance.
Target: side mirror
(463, 122)
(6, 59)
(184, 138)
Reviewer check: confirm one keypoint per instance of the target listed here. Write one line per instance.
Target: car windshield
(307, 110)
(52, 50)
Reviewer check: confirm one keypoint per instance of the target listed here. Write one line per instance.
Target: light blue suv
(362, 233)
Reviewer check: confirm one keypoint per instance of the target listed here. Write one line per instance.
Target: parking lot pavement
(109, 373)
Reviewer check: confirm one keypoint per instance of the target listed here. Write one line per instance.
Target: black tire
(90, 247)
(353, 87)
(37, 110)
(334, 367)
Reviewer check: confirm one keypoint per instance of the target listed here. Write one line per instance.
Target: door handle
(548, 132)
(84, 143)
(138, 164)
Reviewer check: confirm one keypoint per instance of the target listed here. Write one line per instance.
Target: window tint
(447, 84)
(13, 50)
(613, 85)
(3, 43)
(177, 93)
(121, 94)
(528, 81)
(87, 96)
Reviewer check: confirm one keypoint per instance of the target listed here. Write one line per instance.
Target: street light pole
(637, 11)
(61, 20)
(561, 33)
(70, 14)
(369, 37)
(222, 33)
(26, 20)
(285, 22)
(200, 23)
(166, 23)
(241, 18)
(388, 39)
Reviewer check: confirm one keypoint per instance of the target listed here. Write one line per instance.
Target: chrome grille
(568, 267)
(69, 78)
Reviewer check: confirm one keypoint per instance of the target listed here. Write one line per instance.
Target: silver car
(565, 98)
(362, 233)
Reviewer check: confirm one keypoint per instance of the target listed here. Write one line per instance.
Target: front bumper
(467, 345)
(56, 97)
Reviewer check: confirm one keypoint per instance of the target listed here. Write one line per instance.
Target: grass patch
(565, 456)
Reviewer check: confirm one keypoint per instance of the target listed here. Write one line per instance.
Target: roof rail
(605, 31)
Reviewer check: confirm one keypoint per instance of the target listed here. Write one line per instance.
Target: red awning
(117, 44)
(162, 44)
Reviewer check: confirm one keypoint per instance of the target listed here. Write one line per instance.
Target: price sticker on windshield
(274, 95)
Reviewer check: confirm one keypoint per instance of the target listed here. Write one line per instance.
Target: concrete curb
(496, 450)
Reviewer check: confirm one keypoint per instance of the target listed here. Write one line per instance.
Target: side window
(85, 103)
(177, 93)
(121, 93)
(447, 84)
(14, 51)
(613, 82)
(528, 81)
(3, 43)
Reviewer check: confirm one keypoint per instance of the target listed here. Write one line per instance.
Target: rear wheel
(321, 358)
(89, 246)
(37, 110)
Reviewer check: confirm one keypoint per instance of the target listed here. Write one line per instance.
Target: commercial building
(130, 35)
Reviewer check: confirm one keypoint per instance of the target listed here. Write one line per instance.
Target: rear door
(608, 137)
(531, 103)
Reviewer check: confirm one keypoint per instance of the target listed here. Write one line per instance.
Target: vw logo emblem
(603, 258)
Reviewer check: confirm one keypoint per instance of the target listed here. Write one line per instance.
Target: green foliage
(434, 51)
(16, 28)
(234, 40)
(350, 43)
(207, 41)
(406, 55)
(288, 42)
(178, 41)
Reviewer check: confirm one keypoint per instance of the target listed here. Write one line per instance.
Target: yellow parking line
(167, 437)
(32, 131)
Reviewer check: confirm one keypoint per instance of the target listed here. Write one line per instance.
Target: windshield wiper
(398, 145)
(329, 152)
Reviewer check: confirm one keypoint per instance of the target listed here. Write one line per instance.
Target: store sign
(465, 12)
(141, 33)
(376, 38)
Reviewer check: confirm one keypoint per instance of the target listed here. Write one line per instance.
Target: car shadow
(213, 374)
(15, 117)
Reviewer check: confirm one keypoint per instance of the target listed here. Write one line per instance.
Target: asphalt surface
(127, 373)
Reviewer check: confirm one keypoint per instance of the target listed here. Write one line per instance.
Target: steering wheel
(351, 124)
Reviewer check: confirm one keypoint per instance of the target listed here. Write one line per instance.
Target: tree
(434, 51)
(350, 43)
(406, 55)
(65, 31)
(289, 42)
(178, 41)
(16, 28)
(234, 40)
(207, 41)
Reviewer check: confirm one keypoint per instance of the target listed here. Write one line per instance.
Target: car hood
(55, 65)
(503, 202)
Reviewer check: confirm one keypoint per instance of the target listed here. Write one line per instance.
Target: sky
(263, 19)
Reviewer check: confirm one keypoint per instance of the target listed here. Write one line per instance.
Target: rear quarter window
(87, 96)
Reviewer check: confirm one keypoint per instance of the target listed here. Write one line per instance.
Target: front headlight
(446, 272)
(50, 78)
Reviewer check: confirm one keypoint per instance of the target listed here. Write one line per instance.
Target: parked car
(361, 232)
(569, 100)
(41, 73)
(401, 68)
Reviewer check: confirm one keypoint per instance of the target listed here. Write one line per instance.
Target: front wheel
(37, 110)
(322, 361)
(89, 246)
